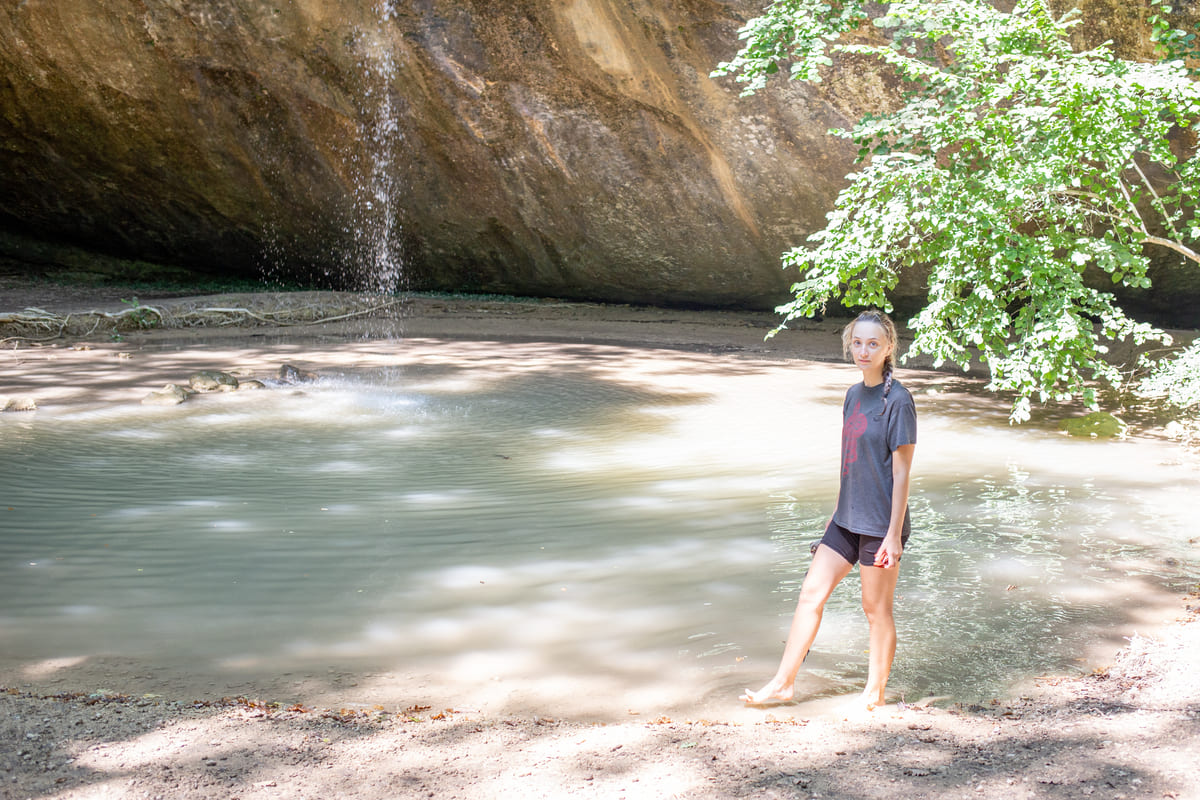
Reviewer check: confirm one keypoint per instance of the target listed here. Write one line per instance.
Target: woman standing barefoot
(870, 525)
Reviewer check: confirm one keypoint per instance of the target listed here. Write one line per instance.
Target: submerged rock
(169, 395)
(1098, 425)
(293, 374)
(17, 403)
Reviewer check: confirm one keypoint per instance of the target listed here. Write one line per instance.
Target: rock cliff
(572, 148)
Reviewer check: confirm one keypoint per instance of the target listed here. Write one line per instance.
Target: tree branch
(1182, 249)
(1133, 209)
(1162, 209)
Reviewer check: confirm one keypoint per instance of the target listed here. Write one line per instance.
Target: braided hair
(889, 331)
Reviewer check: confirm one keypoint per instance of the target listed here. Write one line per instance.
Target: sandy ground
(1131, 729)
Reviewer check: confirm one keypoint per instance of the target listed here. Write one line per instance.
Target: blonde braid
(889, 371)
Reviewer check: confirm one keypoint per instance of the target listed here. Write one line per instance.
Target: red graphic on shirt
(853, 429)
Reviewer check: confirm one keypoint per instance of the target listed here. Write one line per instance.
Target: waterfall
(368, 257)
(377, 262)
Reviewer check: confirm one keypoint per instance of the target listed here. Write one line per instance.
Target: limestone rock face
(572, 148)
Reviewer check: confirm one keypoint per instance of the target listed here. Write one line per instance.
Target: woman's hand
(889, 552)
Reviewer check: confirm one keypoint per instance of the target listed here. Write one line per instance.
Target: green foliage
(1175, 384)
(1012, 165)
(1170, 43)
(142, 316)
(1177, 381)
(799, 31)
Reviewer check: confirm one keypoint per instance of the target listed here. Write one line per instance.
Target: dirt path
(1131, 730)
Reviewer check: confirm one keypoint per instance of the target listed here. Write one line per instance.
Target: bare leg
(878, 594)
(825, 573)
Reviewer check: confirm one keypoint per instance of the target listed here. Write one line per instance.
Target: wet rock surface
(213, 381)
(169, 395)
(17, 403)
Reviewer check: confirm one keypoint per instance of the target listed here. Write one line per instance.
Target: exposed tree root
(282, 310)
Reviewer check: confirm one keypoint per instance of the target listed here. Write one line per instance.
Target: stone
(213, 381)
(250, 385)
(17, 403)
(169, 395)
(1098, 424)
(291, 374)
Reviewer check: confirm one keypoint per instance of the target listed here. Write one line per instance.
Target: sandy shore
(1130, 730)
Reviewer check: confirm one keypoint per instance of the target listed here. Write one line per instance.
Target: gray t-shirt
(868, 440)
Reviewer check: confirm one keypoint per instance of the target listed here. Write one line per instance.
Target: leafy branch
(1014, 170)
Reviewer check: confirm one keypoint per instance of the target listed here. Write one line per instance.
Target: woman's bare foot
(771, 693)
(860, 706)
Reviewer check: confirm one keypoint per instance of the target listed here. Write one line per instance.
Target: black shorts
(854, 546)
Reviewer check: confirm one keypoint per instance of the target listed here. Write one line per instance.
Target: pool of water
(533, 526)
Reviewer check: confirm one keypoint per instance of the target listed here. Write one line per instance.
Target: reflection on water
(579, 525)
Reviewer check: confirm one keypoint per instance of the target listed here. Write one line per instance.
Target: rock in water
(17, 403)
(169, 395)
(213, 381)
(1098, 425)
(292, 374)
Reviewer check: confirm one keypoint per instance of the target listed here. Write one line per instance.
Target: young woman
(870, 525)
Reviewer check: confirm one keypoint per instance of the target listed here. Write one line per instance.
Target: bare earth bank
(1130, 730)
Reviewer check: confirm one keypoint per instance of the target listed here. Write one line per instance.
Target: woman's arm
(892, 547)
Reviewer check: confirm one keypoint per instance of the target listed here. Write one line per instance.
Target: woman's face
(869, 346)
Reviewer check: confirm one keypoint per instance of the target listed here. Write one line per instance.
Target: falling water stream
(375, 259)
(568, 528)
